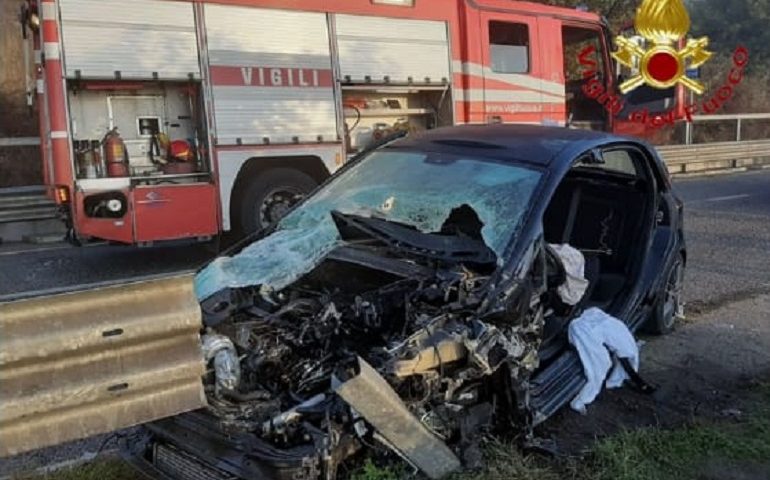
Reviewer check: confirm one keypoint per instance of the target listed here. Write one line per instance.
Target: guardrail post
(688, 133)
(739, 130)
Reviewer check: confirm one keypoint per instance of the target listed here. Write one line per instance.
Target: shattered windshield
(419, 189)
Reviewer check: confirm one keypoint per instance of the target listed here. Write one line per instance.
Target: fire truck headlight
(34, 22)
(62, 195)
(114, 205)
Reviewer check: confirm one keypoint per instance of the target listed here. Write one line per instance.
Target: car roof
(533, 144)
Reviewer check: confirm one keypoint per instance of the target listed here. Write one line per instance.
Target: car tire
(668, 307)
(268, 196)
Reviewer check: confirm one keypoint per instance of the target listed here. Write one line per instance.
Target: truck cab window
(581, 109)
(509, 47)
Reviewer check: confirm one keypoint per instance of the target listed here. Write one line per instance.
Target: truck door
(512, 71)
(584, 50)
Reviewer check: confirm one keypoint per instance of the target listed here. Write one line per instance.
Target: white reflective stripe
(59, 134)
(517, 79)
(520, 96)
(51, 50)
(552, 88)
(40, 86)
(49, 11)
(467, 68)
(38, 56)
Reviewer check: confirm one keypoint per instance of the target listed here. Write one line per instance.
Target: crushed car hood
(367, 347)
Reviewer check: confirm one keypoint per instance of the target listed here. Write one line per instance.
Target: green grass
(370, 471)
(505, 461)
(690, 452)
(652, 454)
(102, 469)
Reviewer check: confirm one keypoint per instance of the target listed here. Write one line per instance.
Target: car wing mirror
(592, 157)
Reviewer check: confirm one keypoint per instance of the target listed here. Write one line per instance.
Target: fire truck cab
(169, 119)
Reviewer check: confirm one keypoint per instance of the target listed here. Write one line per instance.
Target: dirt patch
(20, 166)
(715, 470)
(15, 118)
(701, 307)
(703, 371)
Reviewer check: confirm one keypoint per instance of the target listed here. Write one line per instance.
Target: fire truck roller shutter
(400, 49)
(272, 76)
(140, 39)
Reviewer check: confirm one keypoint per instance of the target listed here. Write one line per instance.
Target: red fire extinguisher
(115, 154)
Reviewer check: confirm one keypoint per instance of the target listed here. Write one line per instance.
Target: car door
(660, 234)
(667, 238)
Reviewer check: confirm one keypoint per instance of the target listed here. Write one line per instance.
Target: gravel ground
(702, 371)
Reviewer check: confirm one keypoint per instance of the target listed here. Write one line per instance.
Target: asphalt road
(64, 266)
(727, 226)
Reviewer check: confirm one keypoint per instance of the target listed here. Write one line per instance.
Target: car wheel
(669, 306)
(268, 197)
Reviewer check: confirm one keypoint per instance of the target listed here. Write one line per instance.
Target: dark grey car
(408, 304)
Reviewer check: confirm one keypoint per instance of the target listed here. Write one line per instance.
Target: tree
(728, 24)
(617, 12)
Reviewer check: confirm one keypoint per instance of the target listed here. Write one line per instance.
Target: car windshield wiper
(453, 248)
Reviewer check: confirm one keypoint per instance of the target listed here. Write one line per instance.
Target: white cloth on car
(573, 289)
(597, 335)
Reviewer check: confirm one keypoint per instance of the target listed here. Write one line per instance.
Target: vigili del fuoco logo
(663, 64)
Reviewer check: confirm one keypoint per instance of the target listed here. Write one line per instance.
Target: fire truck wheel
(270, 195)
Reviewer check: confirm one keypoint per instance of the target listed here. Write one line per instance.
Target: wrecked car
(408, 305)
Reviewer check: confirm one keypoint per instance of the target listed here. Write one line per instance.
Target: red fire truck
(169, 119)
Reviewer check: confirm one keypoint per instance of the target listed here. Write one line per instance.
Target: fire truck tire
(268, 196)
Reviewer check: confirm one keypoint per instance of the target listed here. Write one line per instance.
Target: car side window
(617, 160)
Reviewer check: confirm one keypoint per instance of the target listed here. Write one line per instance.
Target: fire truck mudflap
(91, 362)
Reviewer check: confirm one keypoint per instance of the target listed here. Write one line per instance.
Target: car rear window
(618, 161)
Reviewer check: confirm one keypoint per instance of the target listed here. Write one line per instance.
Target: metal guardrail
(80, 364)
(739, 118)
(25, 204)
(706, 157)
(19, 141)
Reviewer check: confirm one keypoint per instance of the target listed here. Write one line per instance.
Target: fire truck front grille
(181, 465)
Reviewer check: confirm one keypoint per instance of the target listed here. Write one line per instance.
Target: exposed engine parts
(226, 366)
(285, 363)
